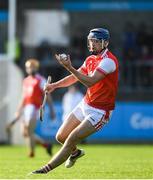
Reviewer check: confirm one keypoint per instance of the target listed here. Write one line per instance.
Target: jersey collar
(104, 53)
(101, 55)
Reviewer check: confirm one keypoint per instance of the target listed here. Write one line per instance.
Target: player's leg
(27, 131)
(31, 137)
(30, 115)
(95, 120)
(72, 121)
(66, 128)
(83, 130)
(24, 129)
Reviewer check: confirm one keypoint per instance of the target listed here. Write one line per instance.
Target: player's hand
(10, 125)
(49, 87)
(65, 61)
(17, 115)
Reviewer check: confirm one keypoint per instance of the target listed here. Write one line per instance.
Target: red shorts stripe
(102, 121)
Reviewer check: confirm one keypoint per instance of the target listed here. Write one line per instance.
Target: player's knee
(60, 138)
(72, 139)
(25, 133)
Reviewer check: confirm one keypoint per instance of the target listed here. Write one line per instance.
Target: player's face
(30, 70)
(95, 45)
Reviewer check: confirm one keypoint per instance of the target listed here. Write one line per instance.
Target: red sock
(45, 145)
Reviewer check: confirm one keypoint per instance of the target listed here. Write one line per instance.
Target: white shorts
(30, 112)
(97, 117)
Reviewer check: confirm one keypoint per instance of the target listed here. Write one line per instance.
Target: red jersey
(102, 94)
(33, 90)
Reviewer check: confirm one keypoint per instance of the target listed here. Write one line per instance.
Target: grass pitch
(100, 162)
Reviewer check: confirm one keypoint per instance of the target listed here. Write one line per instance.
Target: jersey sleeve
(42, 83)
(106, 66)
(83, 68)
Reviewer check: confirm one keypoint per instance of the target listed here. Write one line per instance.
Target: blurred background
(41, 28)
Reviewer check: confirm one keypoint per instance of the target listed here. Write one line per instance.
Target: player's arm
(84, 79)
(20, 107)
(65, 82)
(50, 104)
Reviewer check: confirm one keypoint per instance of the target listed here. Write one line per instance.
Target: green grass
(100, 162)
